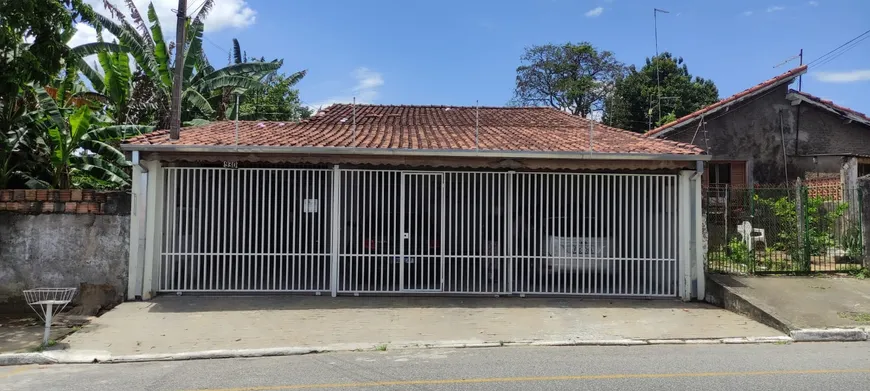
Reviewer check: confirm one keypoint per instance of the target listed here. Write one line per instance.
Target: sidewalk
(191, 324)
(796, 304)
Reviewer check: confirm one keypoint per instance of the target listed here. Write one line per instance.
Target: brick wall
(76, 201)
(828, 188)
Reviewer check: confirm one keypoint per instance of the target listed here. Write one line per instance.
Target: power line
(215, 45)
(846, 49)
(194, 10)
(838, 48)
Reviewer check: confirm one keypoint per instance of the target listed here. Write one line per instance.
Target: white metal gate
(272, 230)
(246, 230)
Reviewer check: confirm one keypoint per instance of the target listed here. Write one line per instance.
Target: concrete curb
(721, 295)
(830, 335)
(88, 357)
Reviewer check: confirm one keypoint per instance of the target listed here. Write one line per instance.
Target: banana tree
(152, 54)
(78, 143)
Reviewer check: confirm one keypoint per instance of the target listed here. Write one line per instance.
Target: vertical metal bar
(401, 236)
(237, 240)
(675, 201)
(442, 245)
(183, 281)
(657, 230)
(212, 228)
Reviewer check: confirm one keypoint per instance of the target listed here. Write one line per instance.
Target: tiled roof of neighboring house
(442, 128)
(830, 106)
(727, 102)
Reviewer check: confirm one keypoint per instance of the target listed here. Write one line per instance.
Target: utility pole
(175, 109)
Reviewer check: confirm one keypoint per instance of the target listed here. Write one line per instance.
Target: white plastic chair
(751, 236)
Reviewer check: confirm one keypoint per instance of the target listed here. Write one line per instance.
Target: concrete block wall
(61, 238)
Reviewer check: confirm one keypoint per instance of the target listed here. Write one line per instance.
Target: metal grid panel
(370, 247)
(246, 230)
(595, 234)
(477, 231)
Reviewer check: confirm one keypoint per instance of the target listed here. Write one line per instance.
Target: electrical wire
(846, 49)
(193, 9)
(838, 48)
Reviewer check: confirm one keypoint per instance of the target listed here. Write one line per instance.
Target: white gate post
(153, 230)
(685, 229)
(698, 239)
(137, 240)
(508, 249)
(336, 228)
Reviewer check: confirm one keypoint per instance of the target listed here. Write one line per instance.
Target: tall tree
(275, 100)
(635, 105)
(572, 77)
(152, 55)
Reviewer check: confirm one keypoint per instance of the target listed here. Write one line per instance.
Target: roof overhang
(727, 105)
(412, 152)
(797, 98)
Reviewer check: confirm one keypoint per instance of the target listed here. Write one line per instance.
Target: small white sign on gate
(311, 205)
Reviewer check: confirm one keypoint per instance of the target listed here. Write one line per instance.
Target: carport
(391, 200)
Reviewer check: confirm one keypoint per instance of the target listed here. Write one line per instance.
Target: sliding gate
(508, 233)
(394, 232)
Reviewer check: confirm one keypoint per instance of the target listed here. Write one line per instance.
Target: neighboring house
(374, 199)
(770, 134)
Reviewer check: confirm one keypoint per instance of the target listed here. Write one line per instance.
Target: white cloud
(775, 8)
(857, 75)
(365, 90)
(813, 3)
(595, 12)
(747, 13)
(224, 14)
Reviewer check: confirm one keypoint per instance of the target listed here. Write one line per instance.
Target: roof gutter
(580, 155)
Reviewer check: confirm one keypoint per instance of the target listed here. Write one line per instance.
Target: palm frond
(100, 169)
(246, 69)
(161, 54)
(133, 43)
(32, 182)
(139, 22)
(94, 48)
(49, 107)
(91, 74)
(198, 101)
(239, 84)
(237, 52)
(193, 52)
(106, 152)
(204, 9)
(295, 78)
(118, 132)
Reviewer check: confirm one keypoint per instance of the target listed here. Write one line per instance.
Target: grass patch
(861, 273)
(860, 317)
(381, 348)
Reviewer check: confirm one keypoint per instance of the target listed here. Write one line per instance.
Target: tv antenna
(656, 12)
(790, 59)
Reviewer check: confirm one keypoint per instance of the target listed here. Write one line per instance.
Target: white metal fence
(269, 230)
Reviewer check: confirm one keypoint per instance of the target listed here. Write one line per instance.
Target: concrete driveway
(190, 324)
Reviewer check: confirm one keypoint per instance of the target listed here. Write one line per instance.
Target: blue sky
(455, 52)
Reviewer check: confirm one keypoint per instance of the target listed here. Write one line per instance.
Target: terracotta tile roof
(764, 86)
(425, 128)
(844, 111)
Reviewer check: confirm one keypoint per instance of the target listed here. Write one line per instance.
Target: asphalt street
(806, 366)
